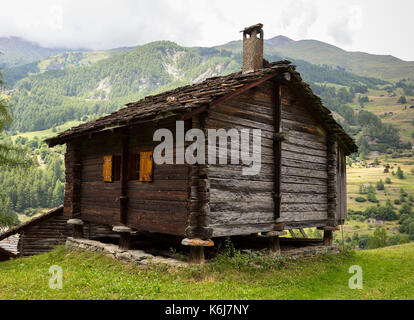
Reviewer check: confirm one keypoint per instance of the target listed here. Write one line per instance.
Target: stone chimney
(253, 48)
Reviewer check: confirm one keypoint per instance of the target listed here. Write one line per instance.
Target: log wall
(159, 206)
(304, 177)
(249, 204)
(43, 236)
(244, 204)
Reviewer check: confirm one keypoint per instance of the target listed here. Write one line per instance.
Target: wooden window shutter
(107, 169)
(145, 166)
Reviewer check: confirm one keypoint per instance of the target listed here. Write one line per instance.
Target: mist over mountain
(17, 51)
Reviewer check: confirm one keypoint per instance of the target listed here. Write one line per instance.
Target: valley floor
(387, 274)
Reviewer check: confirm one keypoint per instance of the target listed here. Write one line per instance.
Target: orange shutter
(107, 169)
(145, 166)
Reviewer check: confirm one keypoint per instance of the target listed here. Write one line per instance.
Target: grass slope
(387, 274)
(368, 65)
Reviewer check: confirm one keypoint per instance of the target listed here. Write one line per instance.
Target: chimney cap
(258, 27)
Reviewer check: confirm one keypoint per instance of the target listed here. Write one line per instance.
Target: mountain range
(17, 52)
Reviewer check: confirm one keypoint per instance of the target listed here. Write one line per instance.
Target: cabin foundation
(328, 234)
(197, 249)
(124, 237)
(77, 228)
(274, 241)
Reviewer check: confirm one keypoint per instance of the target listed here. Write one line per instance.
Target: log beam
(123, 199)
(327, 237)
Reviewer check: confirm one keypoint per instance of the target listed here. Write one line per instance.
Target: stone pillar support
(197, 249)
(125, 237)
(77, 228)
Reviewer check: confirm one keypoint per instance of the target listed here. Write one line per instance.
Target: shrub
(397, 201)
(403, 193)
(406, 209)
(372, 198)
(387, 213)
(363, 241)
(388, 181)
(400, 173)
(360, 199)
(402, 100)
(380, 185)
(379, 239)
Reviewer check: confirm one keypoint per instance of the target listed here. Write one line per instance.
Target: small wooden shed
(42, 233)
(111, 177)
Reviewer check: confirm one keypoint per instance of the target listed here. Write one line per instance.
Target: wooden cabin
(111, 177)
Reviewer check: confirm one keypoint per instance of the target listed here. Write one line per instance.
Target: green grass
(43, 134)
(368, 65)
(361, 175)
(387, 274)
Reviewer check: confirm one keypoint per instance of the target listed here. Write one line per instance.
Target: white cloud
(298, 17)
(352, 24)
(348, 21)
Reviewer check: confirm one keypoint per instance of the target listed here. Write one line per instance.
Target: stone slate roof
(187, 99)
(10, 244)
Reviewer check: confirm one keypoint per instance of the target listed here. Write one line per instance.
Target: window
(145, 166)
(111, 170)
(141, 166)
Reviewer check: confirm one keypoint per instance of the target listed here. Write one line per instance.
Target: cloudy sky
(373, 26)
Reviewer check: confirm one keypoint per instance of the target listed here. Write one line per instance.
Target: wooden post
(327, 237)
(197, 249)
(328, 234)
(196, 255)
(125, 237)
(199, 197)
(332, 163)
(123, 199)
(125, 241)
(274, 244)
(73, 163)
(274, 241)
(77, 228)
